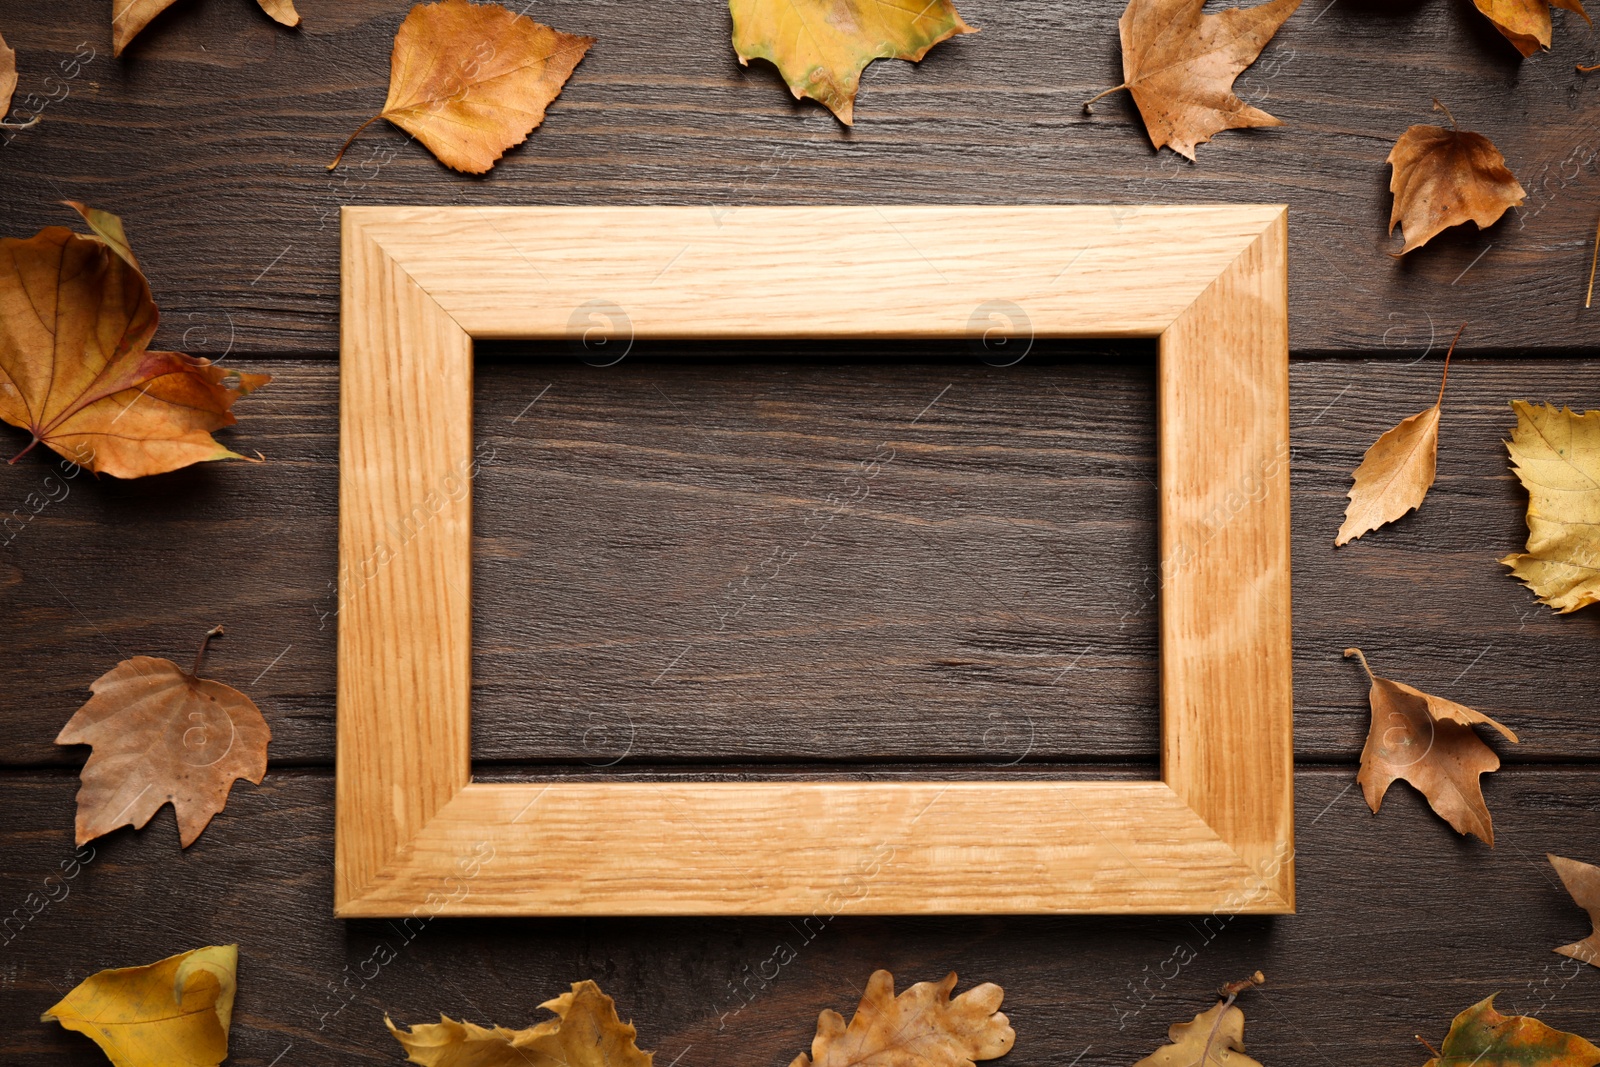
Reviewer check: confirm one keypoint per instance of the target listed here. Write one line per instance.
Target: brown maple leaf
(820, 47)
(128, 17)
(1583, 882)
(1396, 472)
(1526, 23)
(1429, 742)
(161, 734)
(75, 317)
(1214, 1038)
(1179, 63)
(1443, 178)
(586, 1033)
(471, 80)
(922, 1027)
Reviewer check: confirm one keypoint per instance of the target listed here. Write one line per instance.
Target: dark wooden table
(990, 611)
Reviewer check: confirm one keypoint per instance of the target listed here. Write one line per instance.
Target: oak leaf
(1396, 472)
(586, 1033)
(922, 1027)
(1179, 63)
(1429, 742)
(1556, 454)
(161, 734)
(75, 317)
(172, 1013)
(1526, 23)
(1214, 1038)
(1583, 882)
(471, 80)
(1444, 178)
(128, 17)
(820, 47)
(1482, 1037)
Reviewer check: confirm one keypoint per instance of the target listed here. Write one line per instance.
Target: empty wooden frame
(415, 834)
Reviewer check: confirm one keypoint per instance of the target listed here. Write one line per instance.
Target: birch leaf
(471, 80)
(1556, 454)
(585, 1033)
(922, 1027)
(172, 1013)
(1445, 178)
(1482, 1037)
(1526, 23)
(1583, 882)
(820, 47)
(128, 17)
(1429, 742)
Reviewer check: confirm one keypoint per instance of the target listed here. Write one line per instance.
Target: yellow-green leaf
(172, 1013)
(1482, 1037)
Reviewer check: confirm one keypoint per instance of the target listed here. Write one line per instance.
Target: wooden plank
(261, 876)
(235, 218)
(145, 567)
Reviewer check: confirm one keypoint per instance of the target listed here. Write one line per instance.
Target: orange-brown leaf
(8, 77)
(1443, 178)
(1179, 63)
(1526, 23)
(585, 1033)
(162, 734)
(128, 17)
(471, 80)
(1429, 742)
(1583, 882)
(75, 317)
(922, 1027)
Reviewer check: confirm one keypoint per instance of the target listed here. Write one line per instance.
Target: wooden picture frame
(417, 837)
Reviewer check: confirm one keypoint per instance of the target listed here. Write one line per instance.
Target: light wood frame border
(416, 836)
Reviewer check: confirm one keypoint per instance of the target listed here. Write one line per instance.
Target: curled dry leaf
(1443, 178)
(8, 86)
(1396, 472)
(1179, 63)
(161, 734)
(1482, 1037)
(586, 1033)
(1556, 454)
(128, 17)
(75, 317)
(922, 1027)
(471, 80)
(1583, 882)
(174, 1011)
(1429, 742)
(820, 47)
(1214, 1038)
(1526, 23)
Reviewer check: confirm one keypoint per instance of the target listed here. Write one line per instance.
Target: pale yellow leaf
(1214, 1038)
(1556, 454)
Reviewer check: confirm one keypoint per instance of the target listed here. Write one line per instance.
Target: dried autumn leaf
(820, 47)
(1214, 1038)
(1429, 742)
(128, 17)
(1179, 63)
(1583, 882)
(173, 1012)
(161, 734)
(1482, 1037)
(471, 80)
(75, 317)
(1526, 23)
(1444, 178)
(1397, 470)
(587, 1033)
(1556, 454)
(922, 1027)
(8, 87)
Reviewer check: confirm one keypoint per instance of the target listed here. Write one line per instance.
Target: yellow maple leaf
(172, 1013)
(587, 1033)
(1556, 453)
(822, 46)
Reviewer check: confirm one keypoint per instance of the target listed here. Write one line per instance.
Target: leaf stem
(31, 445)
(1229, 993)
(1595, 258)
(1440, 107)
(1357, 653)
(352, 140)
(200, 654)
(1446, 376)
(1108, 92)
(1436, 1053)
(1588, 70)
(35, 121)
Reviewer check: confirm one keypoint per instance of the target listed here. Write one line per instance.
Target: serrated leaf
(1556, 454)
(585, 1033)
(922, 1027)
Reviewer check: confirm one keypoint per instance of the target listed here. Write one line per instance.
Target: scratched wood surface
(210, 138)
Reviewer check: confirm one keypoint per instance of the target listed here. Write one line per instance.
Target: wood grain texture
(1104, 987)
(236, 220)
